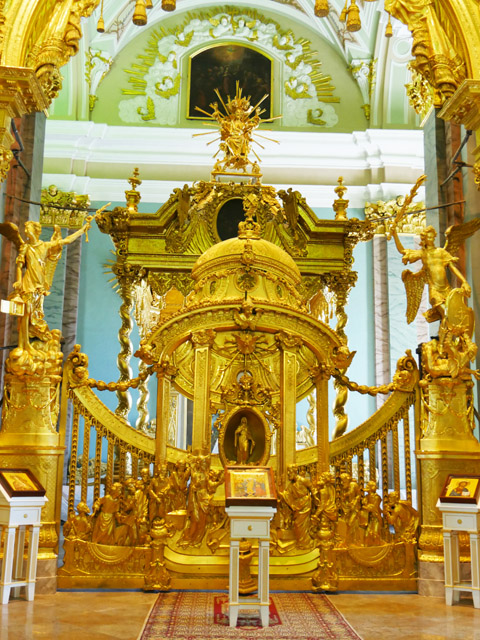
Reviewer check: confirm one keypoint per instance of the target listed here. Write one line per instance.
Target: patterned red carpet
(197, 615)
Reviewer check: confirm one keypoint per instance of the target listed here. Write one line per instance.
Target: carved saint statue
(203, 483)
(244, 442)
(402, 516)
(298, 496)
(106, 512)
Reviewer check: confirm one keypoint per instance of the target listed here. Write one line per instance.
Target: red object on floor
(200, 615)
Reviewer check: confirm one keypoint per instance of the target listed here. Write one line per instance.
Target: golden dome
(247, 265)
(235, 252)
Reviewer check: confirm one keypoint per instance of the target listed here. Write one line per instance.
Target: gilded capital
(127, 273)
(287, 341)
(203, 338)
(464, 105)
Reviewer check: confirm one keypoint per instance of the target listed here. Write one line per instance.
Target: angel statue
(35, 267)
(435, 261)
(447, 303)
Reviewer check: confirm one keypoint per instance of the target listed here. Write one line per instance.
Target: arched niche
(258, 428)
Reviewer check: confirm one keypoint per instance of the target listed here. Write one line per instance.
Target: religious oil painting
(249, 486)
(221, 67)
(464, 489)
(20, 483)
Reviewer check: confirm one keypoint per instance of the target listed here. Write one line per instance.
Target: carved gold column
(127, 276)
(201, 430)
(320, 377)
(340, 284)
(286, 442)
(446, 446)
(165, 371)
(142, 402)
(29, 439)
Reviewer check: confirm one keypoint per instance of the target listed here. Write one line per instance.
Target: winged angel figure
(35, 267)
(447, 303)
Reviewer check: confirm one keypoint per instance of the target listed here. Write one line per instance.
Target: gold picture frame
(250, 486)
(461, 488)
(20, 483)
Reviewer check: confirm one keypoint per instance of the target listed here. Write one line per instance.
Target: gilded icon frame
(20, 483)
(462, 488)
(250, 486)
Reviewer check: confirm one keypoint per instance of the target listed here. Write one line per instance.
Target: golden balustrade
(377, 440)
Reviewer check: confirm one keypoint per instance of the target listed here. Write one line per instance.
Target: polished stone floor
(105, 615)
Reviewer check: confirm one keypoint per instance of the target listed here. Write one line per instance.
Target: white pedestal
(249, 522)
(16, 514)
(456, 518)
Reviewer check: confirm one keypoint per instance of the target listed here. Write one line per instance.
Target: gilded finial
(340, 204)
(132, 196)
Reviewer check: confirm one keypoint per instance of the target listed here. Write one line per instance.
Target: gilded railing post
(286, 443)
(201, 430)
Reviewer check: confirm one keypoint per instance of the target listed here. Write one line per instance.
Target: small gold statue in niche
(244, 442)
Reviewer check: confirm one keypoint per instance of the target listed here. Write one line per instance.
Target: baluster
(384, 467)
(110, 461)
(98, 466)
(408, 463)
(348, 465)
(86, 450)
(372, 461)
(361, 469)
(122, 465)
(134, 466)
(396, 458)
(73, 460)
